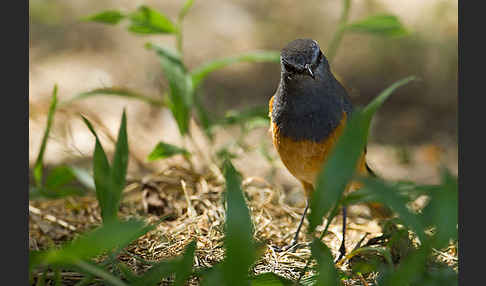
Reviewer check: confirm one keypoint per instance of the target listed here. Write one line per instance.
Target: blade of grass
(270, 279)
(236, 117)
(180, 85)
(390, 196)
(338, 35)
(155, 274)
(213, 276)
(342, 162)
(184, 267)
(409, 270)
(127, 273)
(164, 150)
(371, 108)
(328, 275)
(38, 167)
(106, 237)
(111, 17)
(381, 25)
(180, 266)
(120, 164)
(199, 73)
(115, 91)
(203, 116)
(239, 244)
(58, 177)
(381, 250)
(180, 18)
(100, 272)
(59, 192)
(339, 169)
(442, 211)
(102, 177)
(173, 55)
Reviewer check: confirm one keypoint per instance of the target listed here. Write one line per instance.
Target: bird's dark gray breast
(310, 113)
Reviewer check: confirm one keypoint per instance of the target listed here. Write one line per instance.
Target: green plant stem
(331, 217)
(179, 38)
(179, 34)
(338, 35)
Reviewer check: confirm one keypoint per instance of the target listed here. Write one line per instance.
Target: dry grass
(193, 205)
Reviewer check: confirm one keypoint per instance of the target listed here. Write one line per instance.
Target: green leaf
(409, 270)
(59, 192)
(270, 279)
(120, 164)
(237, 117)
(173, 55)
(102, 177)
(442, 211)
(104, 238)
(165, 150)
(127, 273)
(184, 267)
(385, 252)
(203, 115)
(180, 266)
(100, 272)
(238, 241)
(214, 276)
(225, 153)
(59, 176)
(371, 108)
(110, 181)
(388, 195)
(342, 162)
(115, 91)
(328, 275)
(339, 168)
(382, 25)
(38, 167)
(200, 73)
(156, 273)
(180, 85)
(440, 276)
(111, 17)
(149, 21)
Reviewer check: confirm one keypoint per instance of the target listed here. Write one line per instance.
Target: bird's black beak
(308, 69)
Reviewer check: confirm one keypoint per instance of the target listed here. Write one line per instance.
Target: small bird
(308, 113)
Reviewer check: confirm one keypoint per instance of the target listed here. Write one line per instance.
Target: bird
(308, 113)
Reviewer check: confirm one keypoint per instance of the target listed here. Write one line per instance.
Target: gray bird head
(303, 57)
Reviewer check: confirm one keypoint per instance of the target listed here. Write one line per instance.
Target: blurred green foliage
(60, 181)
(164, 150)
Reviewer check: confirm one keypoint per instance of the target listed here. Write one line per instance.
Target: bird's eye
(290, 68)
(319, 57)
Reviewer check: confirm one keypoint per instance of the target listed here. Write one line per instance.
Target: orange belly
(304, 159)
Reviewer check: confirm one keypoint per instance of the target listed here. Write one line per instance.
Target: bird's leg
(294, 240)
(342, 248)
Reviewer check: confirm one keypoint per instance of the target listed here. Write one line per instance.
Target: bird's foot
(342, 252)
(291, 247)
